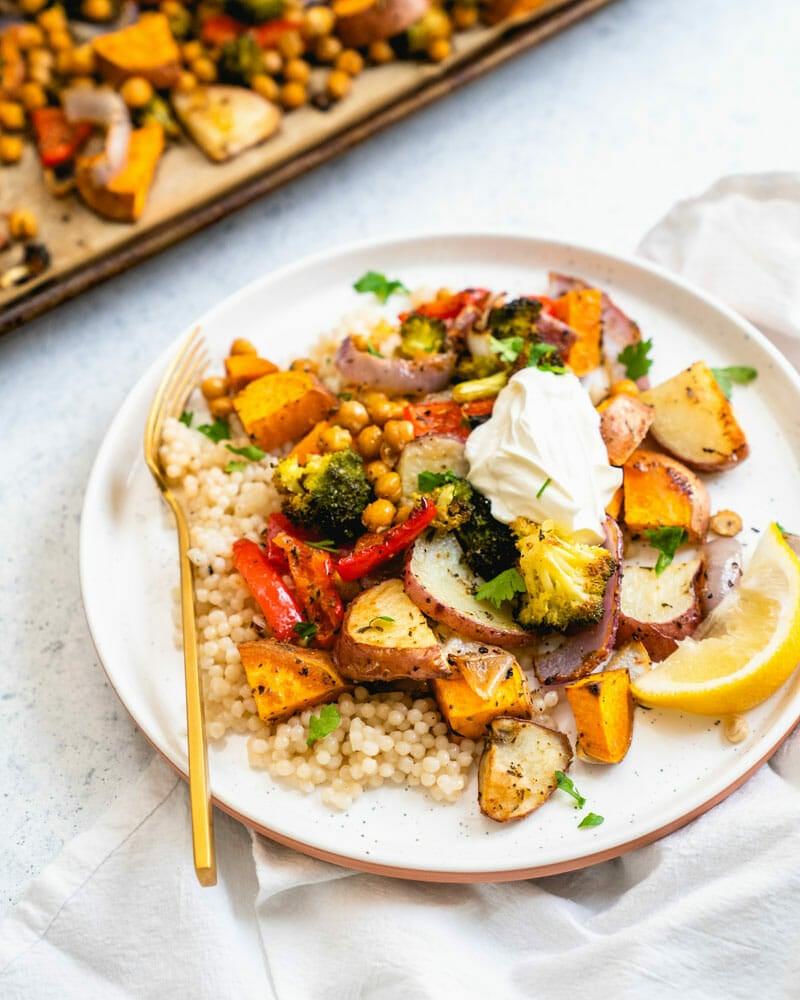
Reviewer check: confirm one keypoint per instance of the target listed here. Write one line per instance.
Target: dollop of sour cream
(541, 456)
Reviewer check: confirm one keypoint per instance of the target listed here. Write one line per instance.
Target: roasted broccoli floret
(240, 60)
(515, 319)
(421, 335)
(565, 580)
(254, 11)
(470, 367)
(328, 493)
(453, 502)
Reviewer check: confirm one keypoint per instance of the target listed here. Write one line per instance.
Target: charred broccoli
(515, 319)
(240, 60)
(421, 335)
(565, 580)
(488, 545)
(328, 493)
(254, 11)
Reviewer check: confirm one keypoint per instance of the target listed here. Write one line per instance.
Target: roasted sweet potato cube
(278, 408)
(242, 369)
(582, 309)
(603, 708)
(146, 49)
(124, 197)
(660, 492)
(311, 444)
(467, 714)
(286, 679)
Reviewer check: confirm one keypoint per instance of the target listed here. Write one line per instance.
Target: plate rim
(541, 243)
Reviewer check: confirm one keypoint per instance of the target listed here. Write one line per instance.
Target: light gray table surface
(590, 137)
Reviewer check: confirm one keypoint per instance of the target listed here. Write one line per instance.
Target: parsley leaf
(543, 487)
(427, 481)
(327, 545)
(636, 359)
(568, 785)
(379, 284)
(346, 396)
(235, 467)
(186, 418)
(782, 530)
(250, 451)
(666, 541)
(502, 587)
(590, 819)
(218, 431)
(306, 631)
(508, 349)
(740, 374)
(540, 355)
(373, 351)
(322, 725)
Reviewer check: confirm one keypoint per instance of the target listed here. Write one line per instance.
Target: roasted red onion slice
(102, 106)
(430, 374)
(553, 331)
(583, 651)
(722, 570)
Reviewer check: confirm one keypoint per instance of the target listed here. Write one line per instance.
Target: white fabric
(711, 911)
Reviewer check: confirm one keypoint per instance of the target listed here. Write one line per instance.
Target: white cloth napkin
(710, 911)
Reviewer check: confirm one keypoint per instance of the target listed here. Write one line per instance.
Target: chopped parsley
(322, 725)
(186, 418)
(235, 467)
(346, 396)
(379, 285)
(666, 541)
(543, 487)
(218, 431)
(250, 451)
(373, 351)
(782, 530)
(508, 349)
(327, 545)
(427, 481)
(636, 359)
(590, 819)
(740, 374)
(540, 356)
(502, 587)
(306, 631)
(568, 785)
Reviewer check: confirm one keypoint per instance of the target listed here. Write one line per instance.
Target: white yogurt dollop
(544, 427)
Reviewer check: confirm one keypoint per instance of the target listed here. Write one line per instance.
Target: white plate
(677, 767)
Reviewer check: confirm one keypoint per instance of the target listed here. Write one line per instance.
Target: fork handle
(205, 864)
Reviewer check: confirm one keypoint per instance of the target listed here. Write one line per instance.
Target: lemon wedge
(744, 650)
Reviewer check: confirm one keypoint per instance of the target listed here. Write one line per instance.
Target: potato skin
(376, 21)
(624, 423)
(660, 492)
(370, 648)
(660, 611)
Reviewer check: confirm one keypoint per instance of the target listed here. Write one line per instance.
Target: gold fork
(179, 380)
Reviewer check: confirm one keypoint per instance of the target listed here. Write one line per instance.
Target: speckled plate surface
(678, 766)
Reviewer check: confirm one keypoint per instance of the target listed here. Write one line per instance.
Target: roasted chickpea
(297, 71)
(317, 21)
(136, 92)
(397, 433)
(12, 116)
(304, 365)
(464, 16)
(10, 149)
(439, 49)
(186, 81)
(52, 19)
(378, 405)
(273, 62)
(38, 73)
(31, 6)
(327, 49)
(28, 36)
(397, 409)
(41, 57)
(60, 41)
(265, 86)
(379, 514)
(32, 96)
(171, 8)
(214, 386)
(389, 455)
(82, 81)
(374, 470)
(81, 61)
(22, 224)
(290, 44)
(380, 53)
(204, 69)
(389, 486)
(352, 415)
(336, 438)
(338, 84)
(242, 346)
(626, 387)
(222, 406)
(349, 61)
(369, 442)
(293, 95)
(97, 10)
(192, 50)
(403, 513)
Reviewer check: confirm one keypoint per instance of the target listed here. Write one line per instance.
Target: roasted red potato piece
(695, 422)
(603, 708)
(360, 22)
(286, 679)
(660, 492)
(385, 636)
(659, 611)
(517, 770)
(624, 423)
(278, 408)
(467, 714)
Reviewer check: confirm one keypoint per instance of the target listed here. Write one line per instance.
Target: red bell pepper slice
(267, 34)
(277, 523)
(57, 138)
(312, 571)
(384, 547)
(217, 31)
(449, 308)
(277, 603)
(441, 417)
(480, 408)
